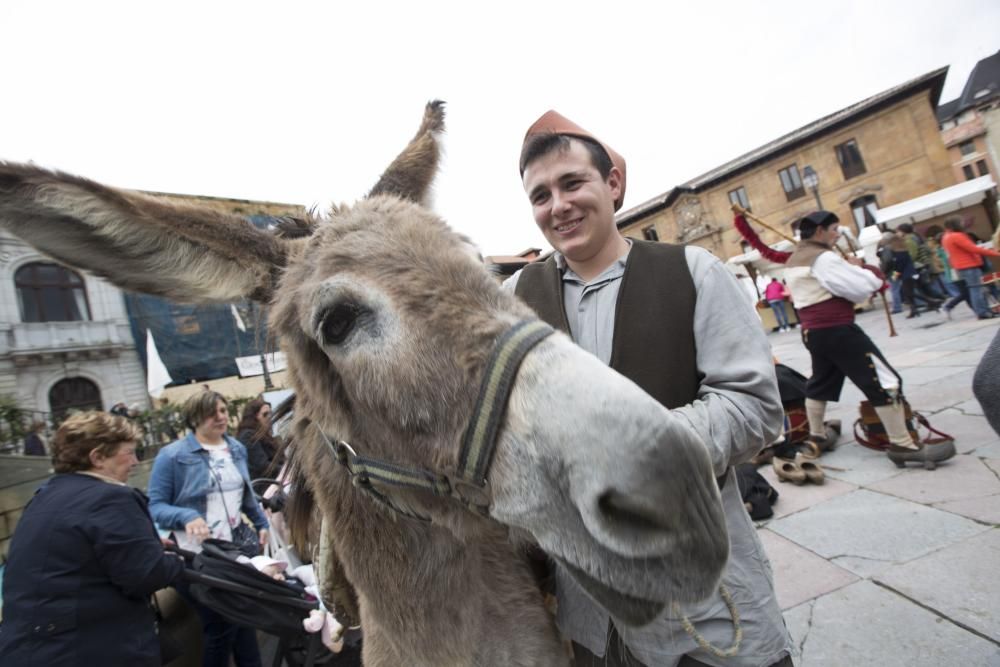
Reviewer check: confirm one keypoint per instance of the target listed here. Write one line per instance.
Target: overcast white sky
(307, 102)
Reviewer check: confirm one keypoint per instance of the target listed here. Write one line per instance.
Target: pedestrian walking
(966, 258)
(775, 295)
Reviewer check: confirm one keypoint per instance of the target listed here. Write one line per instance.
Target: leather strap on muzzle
(468, 484)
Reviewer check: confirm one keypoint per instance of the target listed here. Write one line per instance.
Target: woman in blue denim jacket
(200, 488)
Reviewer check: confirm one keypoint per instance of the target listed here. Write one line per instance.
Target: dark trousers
(845, 352)
(618, 655)
(222, 638)
(913, 289)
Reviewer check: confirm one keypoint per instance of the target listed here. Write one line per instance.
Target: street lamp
(811, 180)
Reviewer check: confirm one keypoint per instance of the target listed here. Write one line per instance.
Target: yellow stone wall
(904, 158)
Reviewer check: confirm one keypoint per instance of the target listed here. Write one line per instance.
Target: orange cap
(553, 121)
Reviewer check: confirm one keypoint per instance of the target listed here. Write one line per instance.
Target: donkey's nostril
(625, 513)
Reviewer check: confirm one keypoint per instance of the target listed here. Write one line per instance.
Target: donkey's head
(388, 320)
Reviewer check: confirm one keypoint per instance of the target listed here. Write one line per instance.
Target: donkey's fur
(387, 319)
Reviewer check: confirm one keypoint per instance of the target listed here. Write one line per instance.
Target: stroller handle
(195, 577)
(275, 503)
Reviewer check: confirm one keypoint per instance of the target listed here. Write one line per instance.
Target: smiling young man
(674, 321)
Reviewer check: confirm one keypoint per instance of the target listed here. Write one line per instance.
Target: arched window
(73, 394)
(864, 209)
(50, 293)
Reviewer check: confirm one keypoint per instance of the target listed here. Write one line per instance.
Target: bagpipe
(740, 216)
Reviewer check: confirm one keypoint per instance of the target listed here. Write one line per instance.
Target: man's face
(827, 235)
(572, 205)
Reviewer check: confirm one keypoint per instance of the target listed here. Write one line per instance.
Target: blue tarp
(195, 342)
(198, 343)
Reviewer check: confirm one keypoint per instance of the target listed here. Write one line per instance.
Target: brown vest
(653, 342)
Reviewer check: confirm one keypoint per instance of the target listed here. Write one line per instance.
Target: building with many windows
(68, 339)
(65, 341)
(970, 123)
(880, 151)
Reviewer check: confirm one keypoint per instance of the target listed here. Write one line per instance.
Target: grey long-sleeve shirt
(737, 412)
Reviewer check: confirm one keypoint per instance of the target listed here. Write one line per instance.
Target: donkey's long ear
(183, 252)
(410, 175)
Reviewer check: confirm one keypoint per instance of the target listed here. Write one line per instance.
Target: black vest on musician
(653, 343)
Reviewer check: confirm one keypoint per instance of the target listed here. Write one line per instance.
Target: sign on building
(251, 366)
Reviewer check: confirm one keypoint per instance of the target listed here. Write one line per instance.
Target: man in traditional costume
(673, 320)
(825, 288)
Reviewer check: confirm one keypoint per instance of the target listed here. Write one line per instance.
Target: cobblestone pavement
(882, 566)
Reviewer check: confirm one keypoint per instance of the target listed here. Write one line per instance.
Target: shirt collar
(103, 478)
(192, 444)
(616, 270)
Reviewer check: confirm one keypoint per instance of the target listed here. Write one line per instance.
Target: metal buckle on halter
(342, 450)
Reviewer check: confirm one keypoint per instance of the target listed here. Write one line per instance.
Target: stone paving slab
(970, 431)
(793, 498)
(960, 478)
(985, 510)
(917, 358)
(927, 373)
(854, 464)
(966, 337)
(967, 486)
(799, 574)
(866, 532)
(864, 624)
(990, 451)
(971, 407)
(932, 398)
(967, 358)
(959, 582)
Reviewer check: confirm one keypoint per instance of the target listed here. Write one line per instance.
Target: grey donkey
(388, 319)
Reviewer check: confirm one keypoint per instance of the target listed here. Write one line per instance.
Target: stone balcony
(26, 342)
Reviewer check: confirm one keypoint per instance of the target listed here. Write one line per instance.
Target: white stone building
(65, 340)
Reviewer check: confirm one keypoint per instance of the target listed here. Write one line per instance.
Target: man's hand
(856, 261)
(263, 537)
(197, 529)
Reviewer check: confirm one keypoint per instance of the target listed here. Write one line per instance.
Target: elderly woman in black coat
(85, 557)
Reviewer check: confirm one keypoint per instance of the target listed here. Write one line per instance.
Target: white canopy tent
(925, 207)
(937, 203)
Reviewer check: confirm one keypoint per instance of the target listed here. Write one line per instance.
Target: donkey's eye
(339, 322)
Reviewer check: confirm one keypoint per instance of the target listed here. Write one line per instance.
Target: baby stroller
(247, 597)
